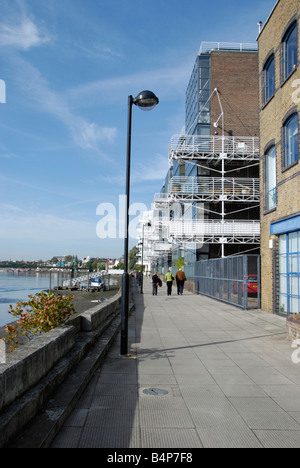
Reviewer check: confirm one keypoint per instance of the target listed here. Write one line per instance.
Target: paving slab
(200, 374)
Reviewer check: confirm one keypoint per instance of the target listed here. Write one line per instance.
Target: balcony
(212, 147)
(161, 247)
(215, 231)
(215, 189)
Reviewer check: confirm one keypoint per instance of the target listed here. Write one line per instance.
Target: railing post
(245, 274)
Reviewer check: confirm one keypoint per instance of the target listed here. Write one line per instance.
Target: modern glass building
(197, 111)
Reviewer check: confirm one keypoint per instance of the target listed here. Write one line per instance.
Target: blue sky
(69, 66)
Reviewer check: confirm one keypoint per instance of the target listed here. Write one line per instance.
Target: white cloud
(86, 134)
(165, 82)
(19, 225)
(22, 35)
(156, 169)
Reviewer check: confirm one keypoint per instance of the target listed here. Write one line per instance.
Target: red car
(252, 285)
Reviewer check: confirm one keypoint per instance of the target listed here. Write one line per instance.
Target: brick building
(210, 200)
(279, 98)
(222, 102)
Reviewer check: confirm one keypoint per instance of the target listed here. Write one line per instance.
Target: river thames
(16, 287)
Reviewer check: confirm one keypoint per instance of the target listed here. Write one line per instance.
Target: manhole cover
(155, 392)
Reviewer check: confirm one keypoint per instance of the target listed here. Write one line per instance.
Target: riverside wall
(35, 370)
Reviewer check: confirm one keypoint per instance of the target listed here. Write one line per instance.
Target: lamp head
(146, 100)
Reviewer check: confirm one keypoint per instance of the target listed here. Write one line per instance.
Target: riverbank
(82, 300)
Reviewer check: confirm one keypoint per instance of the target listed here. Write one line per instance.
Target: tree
(133, 258)
(101, 266)
(179, 263)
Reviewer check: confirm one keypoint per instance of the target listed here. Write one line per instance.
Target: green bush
(40, 314)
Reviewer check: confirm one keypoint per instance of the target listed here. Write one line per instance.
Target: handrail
(207, 47)
(214, 146)
(215, 185)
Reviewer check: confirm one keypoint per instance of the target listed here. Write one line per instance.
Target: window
(270, 178)
(289, 273)
(291, 142)
(290, 51)
(269, 79)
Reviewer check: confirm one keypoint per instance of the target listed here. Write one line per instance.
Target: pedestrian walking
(180, 279)
(156, 281)
(169, 280)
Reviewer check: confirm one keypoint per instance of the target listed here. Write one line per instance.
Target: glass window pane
(290, 50)
(291, 141)
(283, 304)
(293, 242)
(282, 244)
(294, 285)
(293, 263)
(271, 193)
(294, 305)
(283, 284)
(269, 79)
(282, 264)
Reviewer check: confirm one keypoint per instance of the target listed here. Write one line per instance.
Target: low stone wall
(292, 328)
(28, 364)
(93, 318)
(33, 362)
(189, 285)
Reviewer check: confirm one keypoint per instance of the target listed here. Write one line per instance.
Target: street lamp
(145, 100)
(143, 240)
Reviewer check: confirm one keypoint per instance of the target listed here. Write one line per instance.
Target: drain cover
(155, 392)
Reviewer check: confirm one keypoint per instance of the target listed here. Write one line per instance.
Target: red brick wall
(235, 74)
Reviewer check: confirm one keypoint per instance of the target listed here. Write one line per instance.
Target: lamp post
(145, 100)
(143, 240)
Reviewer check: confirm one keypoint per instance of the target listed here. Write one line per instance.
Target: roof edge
(268, 19)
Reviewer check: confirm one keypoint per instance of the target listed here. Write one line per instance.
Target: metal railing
(193, 146)
(209, 227)
(235, 280)
(207, 47)
(213, 188)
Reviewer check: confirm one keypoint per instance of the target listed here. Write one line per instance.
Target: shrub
(40, 314)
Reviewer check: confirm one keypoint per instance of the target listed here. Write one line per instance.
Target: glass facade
(289, 273)
(197, 114)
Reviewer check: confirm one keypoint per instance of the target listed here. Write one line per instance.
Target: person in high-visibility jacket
(169, 280)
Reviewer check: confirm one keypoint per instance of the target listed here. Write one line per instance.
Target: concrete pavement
(201, 374)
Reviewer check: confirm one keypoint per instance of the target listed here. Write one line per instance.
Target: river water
(16, 287)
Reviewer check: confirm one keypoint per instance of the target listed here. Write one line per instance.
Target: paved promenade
(228, 372)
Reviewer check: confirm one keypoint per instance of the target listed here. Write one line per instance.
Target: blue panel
(286, 225)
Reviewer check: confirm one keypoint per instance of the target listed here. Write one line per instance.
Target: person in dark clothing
(180, 279)
(155, 283)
